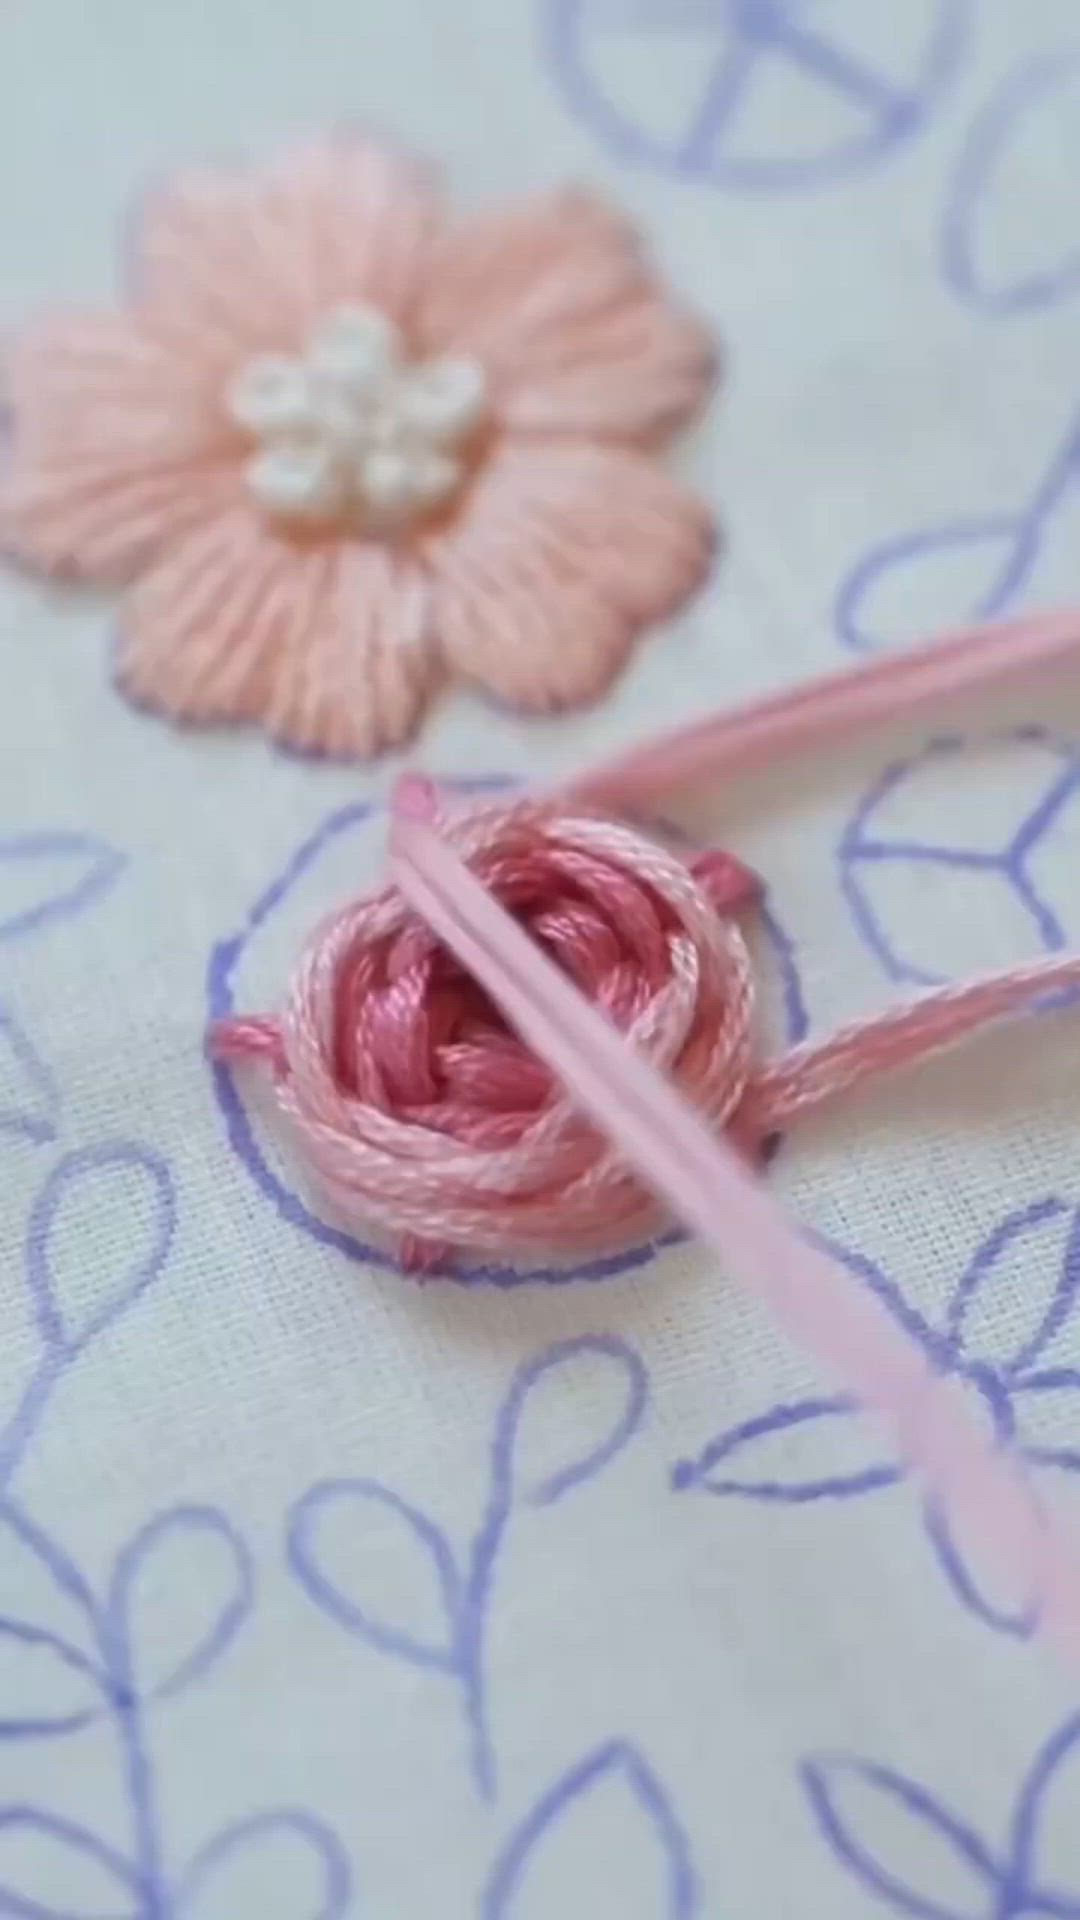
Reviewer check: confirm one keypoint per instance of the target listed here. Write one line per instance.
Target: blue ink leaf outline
(620, 1759)
(58, 1565)
(69, 1170)
(466, 1585)
(1019, 1622)
(324, 1842)
(1062, 1745)
(134, 1556)
(981, 1270)
(818, 1774)
(1022, 92)
(528, 1377)
(1048, 1380)
(329, 1597)
(38, 1124)
(67, 1833)
(26, 1633)
(102, 866)
(697, 1474)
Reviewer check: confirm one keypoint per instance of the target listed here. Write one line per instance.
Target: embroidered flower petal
(117, 447)
(249, 261)
(559, 303)
(327, 646)
(561, 554)
(204, 631)
(361, 676)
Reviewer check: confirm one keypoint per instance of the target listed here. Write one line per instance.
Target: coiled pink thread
(423, 1115)
(813, 1296)
(414, 1101)
(418, 1108)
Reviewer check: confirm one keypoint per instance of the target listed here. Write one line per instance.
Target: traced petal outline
(616, 1757)
(70, 1834)
(688, 1474)
(36, 1126)
(1025, 1824)
(508, 1422)
(304, 1559)
(133, 1556)
(953, 1563)
(323, 1840)
(981, 1269)
(1019, 540)
(987, 144)
(68, 1170)
(817, 1775)
(1048, 1380)
(25, 1633)
(61, 1570)
(105, 863)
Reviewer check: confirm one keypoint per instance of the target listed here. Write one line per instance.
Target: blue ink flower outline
(1006, 1390)
(1018, 534)
(110, 1663)
(615, 1760)
(859, 846)
(464, 1584)
(1023, 90)
(96, 867)
(757, 31)
(1008, 1878)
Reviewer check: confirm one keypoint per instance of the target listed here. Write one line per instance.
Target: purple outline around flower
(1015, 1881)
(290, 1203)
(1010, 1392)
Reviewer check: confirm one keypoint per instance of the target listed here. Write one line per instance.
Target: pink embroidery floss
(423, 1115)
(812, 1295)
(421, 1112)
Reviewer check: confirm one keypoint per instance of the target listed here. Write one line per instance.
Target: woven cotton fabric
(567, 1590)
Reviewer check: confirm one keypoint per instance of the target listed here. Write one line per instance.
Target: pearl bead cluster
(350, 431)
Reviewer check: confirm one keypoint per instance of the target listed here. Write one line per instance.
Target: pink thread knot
(418, 1109)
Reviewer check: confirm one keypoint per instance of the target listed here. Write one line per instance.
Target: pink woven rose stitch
(337, 446)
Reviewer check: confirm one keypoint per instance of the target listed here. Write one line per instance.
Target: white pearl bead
(395, 483)
(297, 482)
(271, 394)
(443, 399)
(387, 481)
(435, 477)
(354, 349)
(348, 434)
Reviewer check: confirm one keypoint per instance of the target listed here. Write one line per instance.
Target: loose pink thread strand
(700, 1175)
(422, 1117)
(834, 707)
(656, 950)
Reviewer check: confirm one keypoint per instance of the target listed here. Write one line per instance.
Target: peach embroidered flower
(337, 446)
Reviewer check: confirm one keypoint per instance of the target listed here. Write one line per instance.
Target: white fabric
(901, 330)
